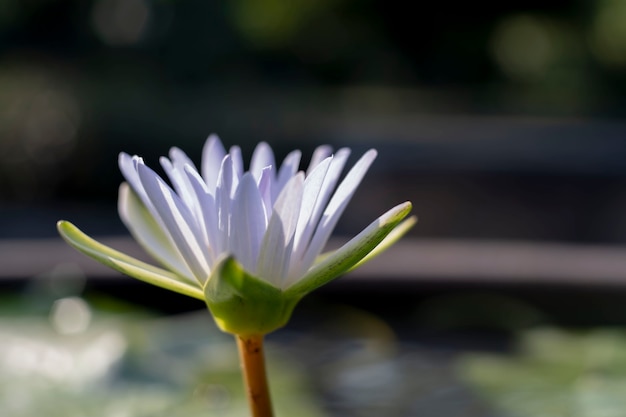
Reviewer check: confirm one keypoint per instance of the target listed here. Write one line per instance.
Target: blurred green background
(503, 123)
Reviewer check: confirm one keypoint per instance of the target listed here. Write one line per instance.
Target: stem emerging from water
(254, 376)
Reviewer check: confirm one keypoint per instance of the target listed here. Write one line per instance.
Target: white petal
(128, 167)
(248, 223)
(288, 169)
(306, 223)
(330, 181)
(179, 180)
(278, 240)
(180, 159)
(336, 206)
(213, 153)
(206, 212)
(223, 202)
(179, 222)
(337, 163)
(147, 232)
(319, 154)
(262, 157)
(235, 155)
(265, 184)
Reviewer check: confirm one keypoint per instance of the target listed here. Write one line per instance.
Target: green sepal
(243, 304)
(352, 253)
(125, 264)
(396, 234)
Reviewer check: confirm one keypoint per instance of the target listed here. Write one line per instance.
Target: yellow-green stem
(254, 376)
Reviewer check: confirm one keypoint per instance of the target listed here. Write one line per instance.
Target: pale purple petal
(336, 206)
(213, 153)
(248, 222)
(205, 212)
(287, 170)
(337, 163)
(223, 201)
(179, 222)
(180, 159)
(265, 185)
(262, 157)
(278, 240)
(319, 154)
(306, 222)
(235, 155)
(128, 167)
(330, 181)
(178, 179)
(149, 234)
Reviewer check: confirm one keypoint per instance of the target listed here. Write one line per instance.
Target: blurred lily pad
(125, 366)
(555, 373)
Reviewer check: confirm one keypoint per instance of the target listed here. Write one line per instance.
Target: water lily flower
(249, 243)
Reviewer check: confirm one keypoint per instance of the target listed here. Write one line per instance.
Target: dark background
(512, 112)
(500, 122)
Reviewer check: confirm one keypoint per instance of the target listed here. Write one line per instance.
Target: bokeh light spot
(120, 22)
(70, 315)
(608, 34)
(522, 47)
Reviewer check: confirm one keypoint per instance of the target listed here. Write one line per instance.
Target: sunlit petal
(265, 185)
(319, 228)
(148, 233)
(178, 220)
(288, 169)
(206, 212)
(319, 154)
(262, 157)
(128, 166)
(178, 179)
(175, 169)
(248, 222)
(237, 159)
(333, 174)
(180, 159)
(223, 202)
(276, 247)
(213, 153)
(306, 221)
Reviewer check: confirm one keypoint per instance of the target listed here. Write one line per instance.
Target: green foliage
(555, 374)
(134, 367)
